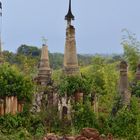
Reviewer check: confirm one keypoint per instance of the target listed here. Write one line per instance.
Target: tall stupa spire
(70, 55)
(69, 15)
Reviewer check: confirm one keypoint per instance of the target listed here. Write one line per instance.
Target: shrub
(72, 84)
(14, 83)
(84, 117)
(126, 123)
(21, 127)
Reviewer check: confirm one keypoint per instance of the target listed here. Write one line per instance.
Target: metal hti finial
(0, 9)
(69, 15)
(0, 5)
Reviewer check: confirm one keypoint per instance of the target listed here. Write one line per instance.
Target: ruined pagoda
(44, 74)
(123, 84)
(70, 56)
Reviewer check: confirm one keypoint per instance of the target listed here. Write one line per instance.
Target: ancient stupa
(44, 74)
(123, 85)
(70, 55)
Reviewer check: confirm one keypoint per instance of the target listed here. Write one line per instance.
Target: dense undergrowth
(26, 126)
(99, 76)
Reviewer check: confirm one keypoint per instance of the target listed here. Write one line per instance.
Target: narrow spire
(0, 5)
(69, 15)
(0, 9)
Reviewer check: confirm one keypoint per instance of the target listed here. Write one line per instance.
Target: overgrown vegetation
(99, 78)
(21, 126)
(14, 83)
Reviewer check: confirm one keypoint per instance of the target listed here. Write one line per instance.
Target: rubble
(86, 134)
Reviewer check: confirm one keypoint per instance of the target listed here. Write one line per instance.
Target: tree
(14, 83)
(131, 49)
(84, 117)
(29, 50)
(71, 84)
(103, 77)
(126, 123)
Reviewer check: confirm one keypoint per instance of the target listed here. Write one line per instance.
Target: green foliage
(100, 76)
(13, 83)
(27, 58)
(103, 80)
(131, 49)
(71, 84)
(19, 134)
(8, 123)
(84, 117)
(36, 126)
(56, 76)
(21, 127)
(136, 89)
(104, 75)
(51, 119)
(118, 104)
(84, 60)
(56, 60)
(26, 64)
(28, 50)
(126, 123)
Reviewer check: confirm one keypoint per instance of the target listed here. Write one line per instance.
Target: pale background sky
(98, 23)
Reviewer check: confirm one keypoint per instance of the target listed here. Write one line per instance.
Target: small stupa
(44, 74)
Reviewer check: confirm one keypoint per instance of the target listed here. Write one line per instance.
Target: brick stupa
(123, 86)
(70, 56)
(44, 74)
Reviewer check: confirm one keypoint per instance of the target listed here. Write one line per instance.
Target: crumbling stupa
(123, 85)
(70, 55)
(44, 74)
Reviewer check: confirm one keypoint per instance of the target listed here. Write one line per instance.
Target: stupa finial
(69, 15)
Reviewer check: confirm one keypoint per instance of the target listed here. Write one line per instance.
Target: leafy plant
(126, 123)
(84, 117)
(22, 127)
(71, 84)
(14, 83)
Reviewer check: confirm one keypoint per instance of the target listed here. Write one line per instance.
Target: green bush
(72, 84)
(136, 89)
(21, 127)
(14, 83)
(20, 134)
(126, 123)
(84, 117)
(36, 127)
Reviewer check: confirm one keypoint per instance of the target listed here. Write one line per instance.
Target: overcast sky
(98, 23)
